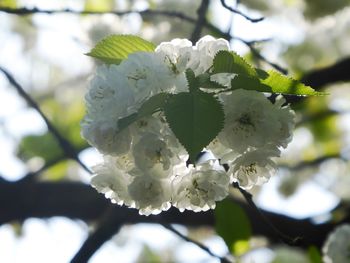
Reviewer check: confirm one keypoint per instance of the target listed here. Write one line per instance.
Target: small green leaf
(249, 83)
(230, 62)
(98, 6)
(196, 118)
(44, 146)
(233, 225)
(205, 82)
(192, 81)
(150, 106)
(286, 85)
(153, 104)
(8, 3)
(314, 255)
(113, 49)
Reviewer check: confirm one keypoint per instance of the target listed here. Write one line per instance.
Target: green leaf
(205, 82)
(149, 107)
(44, 146)
(314, 255)
(286, 85)
(98, 5)
(249, 83)
(153, 104)
(195, 118)
(233, 225)
(192, 81)
(230, 62)
(113, 49)
(8, 3)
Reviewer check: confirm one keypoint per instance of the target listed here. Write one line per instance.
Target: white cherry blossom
(253, 167)
(200, 188)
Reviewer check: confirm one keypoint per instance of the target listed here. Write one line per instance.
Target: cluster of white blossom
(145, 165)
(336, 249)
(254, 131)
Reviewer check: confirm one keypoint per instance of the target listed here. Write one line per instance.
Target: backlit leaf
(286, 85)
(113, 49)
(230, 62)
(233, 225)
(195, 118)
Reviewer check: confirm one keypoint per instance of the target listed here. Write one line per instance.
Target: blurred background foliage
(45, 53)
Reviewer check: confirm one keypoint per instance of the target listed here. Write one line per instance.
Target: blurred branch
(236, 11)
(200, 245)
(201, 19)
(150, 12)
(318, 78)
(22, 200)
(282, 236)
(317, 161)
(66, 146)
(340, 71)
(107, 228)
(257, 54)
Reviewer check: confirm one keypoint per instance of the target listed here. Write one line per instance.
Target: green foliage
(44, 146)
(150, 106)
(230, 62)
(58, 171)
(286, 85)
(98, 5)
(233, 225)
(147, 255)
(257, 79)
(205, 82)
(314, 255)
(113, 49)
(195, 118)
(192, 81)
(249, 83)
(8, 3)
(66, 119)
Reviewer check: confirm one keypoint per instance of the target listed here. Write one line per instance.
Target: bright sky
(57, 239)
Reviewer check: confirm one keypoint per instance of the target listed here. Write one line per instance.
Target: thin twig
(149, 12)
(202, 11)
(236, 11)
(200, 245)
(256, 53)
(283, 237)
(63, 142)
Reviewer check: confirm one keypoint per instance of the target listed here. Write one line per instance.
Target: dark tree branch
(202, 12)
(318, 78)
(66, 146)
(108, 227)
(282, 236)
(19, 201)
(257, 54)
(337, 72)
(233, 10)
(200, 245)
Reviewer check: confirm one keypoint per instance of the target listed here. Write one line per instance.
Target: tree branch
(22, 200)
(340, 71)
(66, 146)
(282, 236)
(202, 11)
(107, 228)
(149, 12)
(233, 10)
(200, 245)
